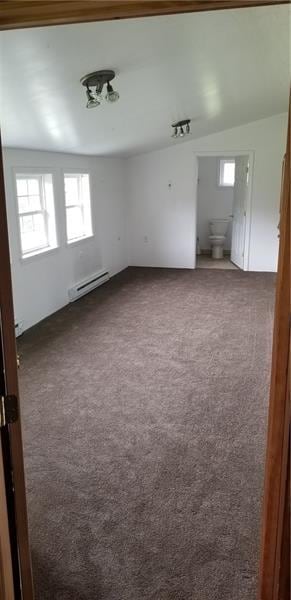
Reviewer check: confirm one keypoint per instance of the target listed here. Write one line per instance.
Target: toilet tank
(218, 226)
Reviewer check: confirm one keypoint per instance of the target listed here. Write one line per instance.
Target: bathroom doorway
(223, 204)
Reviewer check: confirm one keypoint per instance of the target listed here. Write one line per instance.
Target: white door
(240, 195)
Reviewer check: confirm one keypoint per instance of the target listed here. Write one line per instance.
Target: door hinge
(8, 410)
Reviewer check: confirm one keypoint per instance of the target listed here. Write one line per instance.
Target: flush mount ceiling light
(181, 128)
(97, 80)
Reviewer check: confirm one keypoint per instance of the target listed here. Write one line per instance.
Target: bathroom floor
(206, 262)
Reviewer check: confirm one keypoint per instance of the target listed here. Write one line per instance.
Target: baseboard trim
(207, 252)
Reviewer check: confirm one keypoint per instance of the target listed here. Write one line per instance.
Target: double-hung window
(36, 213)
(78, 206)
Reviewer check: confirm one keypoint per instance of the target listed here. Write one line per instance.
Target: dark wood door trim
(276, 472)
(283, 583)
(38, 13)
(6, 572)
(11, 387)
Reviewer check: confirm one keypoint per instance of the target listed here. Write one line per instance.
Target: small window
(226, 172)
(36, 213)
(78, 207)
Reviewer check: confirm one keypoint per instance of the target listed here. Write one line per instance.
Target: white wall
(40, 283)
(213, 201)
(162, 196)
(149, 199)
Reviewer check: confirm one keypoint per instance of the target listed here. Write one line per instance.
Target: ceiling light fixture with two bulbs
(181, 128)
(97, 81)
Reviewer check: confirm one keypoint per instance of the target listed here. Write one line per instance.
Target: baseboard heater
(86, 286)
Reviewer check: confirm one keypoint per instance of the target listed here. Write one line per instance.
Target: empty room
(142, 168)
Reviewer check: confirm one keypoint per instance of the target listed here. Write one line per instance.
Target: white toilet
(218, 230)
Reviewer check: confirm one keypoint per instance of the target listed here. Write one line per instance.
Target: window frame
(220, 160)
(78, 173)
(35, 173)
(42, 211)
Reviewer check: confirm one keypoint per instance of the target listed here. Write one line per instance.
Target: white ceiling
(221, 69)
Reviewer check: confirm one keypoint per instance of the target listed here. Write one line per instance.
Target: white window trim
(81, 240)
(38, 255)
(42, 211)
(32, 172)
(219, 161)
(84, 238)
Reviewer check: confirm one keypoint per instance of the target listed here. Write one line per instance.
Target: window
(36, 213)
(226, 174)
(78, 207)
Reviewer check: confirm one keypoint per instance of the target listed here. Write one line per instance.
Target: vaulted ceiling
(221, 69)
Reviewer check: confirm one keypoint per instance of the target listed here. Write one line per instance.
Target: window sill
(80, 240)
(40, 254)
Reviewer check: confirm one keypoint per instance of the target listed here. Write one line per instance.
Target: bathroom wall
(41, 282)
(213, 201)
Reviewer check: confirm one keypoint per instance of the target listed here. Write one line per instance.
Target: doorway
(108, 528)
(223, 210)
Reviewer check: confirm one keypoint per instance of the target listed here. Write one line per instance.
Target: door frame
(229, 154)
(17, 14)
(29, 13)
(275, 563)
(6, 571)
(11, 435)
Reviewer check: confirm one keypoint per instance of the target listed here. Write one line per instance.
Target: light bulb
(91, 101)
(111, 95)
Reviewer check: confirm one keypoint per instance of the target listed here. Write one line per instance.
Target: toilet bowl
(218, 230)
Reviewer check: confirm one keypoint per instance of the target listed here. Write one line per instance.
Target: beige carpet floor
(144, 415)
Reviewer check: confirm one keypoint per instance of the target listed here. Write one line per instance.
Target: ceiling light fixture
(181, 128)
(97, 80)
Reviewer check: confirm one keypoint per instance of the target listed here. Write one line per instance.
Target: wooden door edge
(6, 572)
(34, 13)
(11, 387)
(279, 407)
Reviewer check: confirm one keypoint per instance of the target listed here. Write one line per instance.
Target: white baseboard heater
(86, 286)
